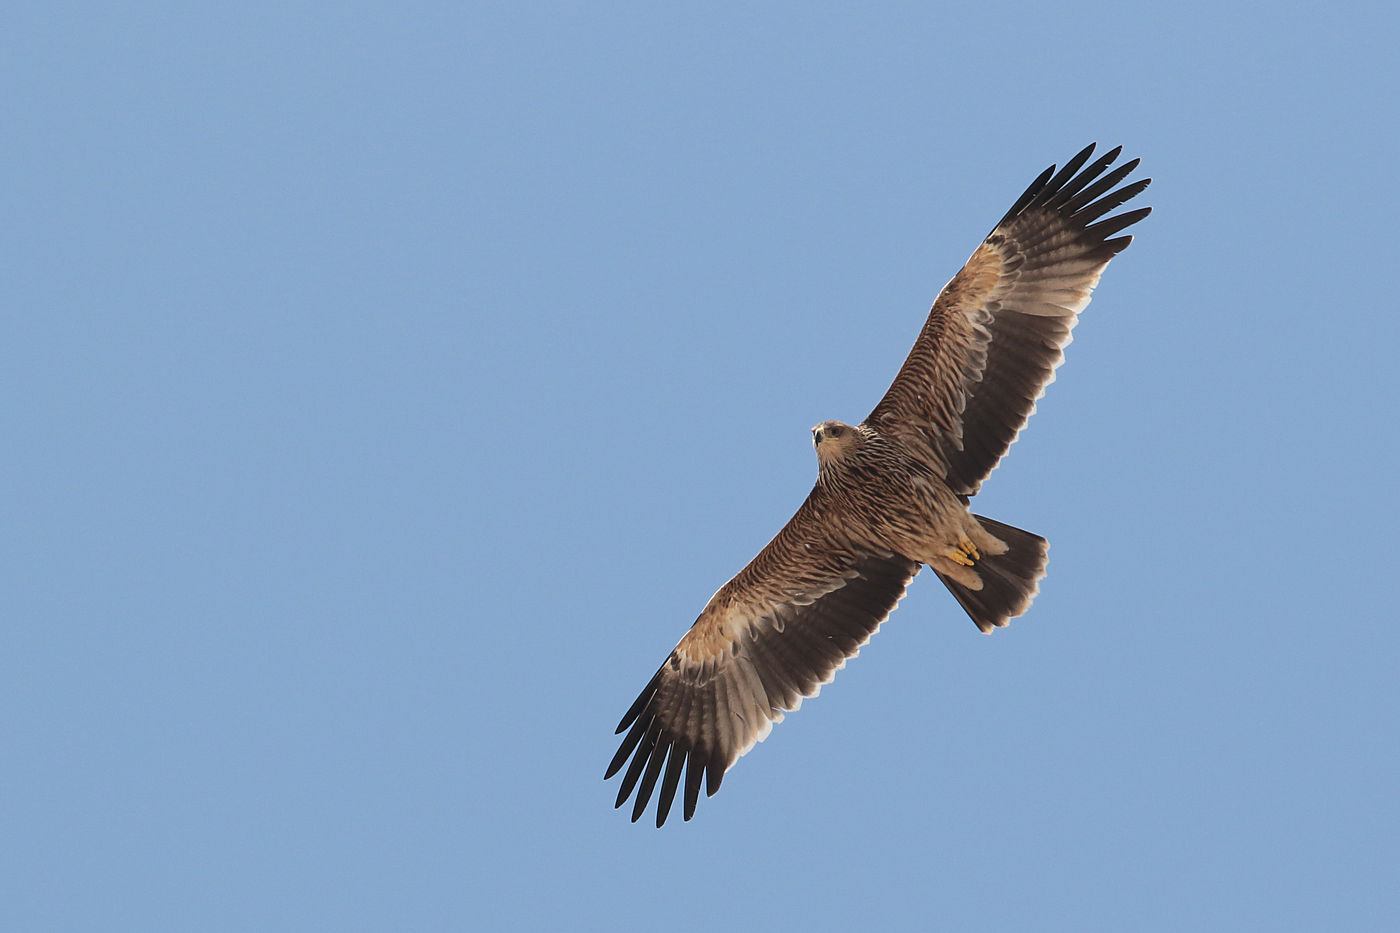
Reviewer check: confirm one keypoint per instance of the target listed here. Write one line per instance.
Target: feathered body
(885, 495)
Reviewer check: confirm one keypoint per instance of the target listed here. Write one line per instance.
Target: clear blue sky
(387, 388)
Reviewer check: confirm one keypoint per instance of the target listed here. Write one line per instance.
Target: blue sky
(387, 389)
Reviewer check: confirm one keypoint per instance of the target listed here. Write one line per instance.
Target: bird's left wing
(769, 638)
(999, 328)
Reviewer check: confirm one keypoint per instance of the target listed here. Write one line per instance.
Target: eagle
(892, 496)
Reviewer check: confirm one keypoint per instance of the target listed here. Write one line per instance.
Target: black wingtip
(640, 702)
(694, 773)
(670, 782)
(1028, 195)
(650, 776)
(639, 728)
(1080, 190)
(1106, 228)
(1064, 175)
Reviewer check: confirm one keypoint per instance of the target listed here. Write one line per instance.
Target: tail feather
(1009, 581)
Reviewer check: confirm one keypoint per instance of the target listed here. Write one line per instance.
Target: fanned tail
(1009, 581)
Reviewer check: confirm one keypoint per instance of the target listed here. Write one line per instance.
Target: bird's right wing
(769, 638)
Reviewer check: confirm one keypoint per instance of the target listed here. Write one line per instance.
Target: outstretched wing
(999, 328)
(769, 638)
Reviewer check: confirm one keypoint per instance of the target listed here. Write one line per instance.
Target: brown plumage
(891, 496)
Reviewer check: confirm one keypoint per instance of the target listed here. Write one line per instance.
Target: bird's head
(833, 441)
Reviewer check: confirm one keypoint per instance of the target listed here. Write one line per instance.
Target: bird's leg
(965, 553)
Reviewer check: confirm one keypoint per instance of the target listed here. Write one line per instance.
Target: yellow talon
(969, 548)
(965, 553)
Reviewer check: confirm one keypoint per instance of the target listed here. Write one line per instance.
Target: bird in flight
(892, 495)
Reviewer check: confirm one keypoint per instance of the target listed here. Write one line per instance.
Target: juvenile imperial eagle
(892, 495)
